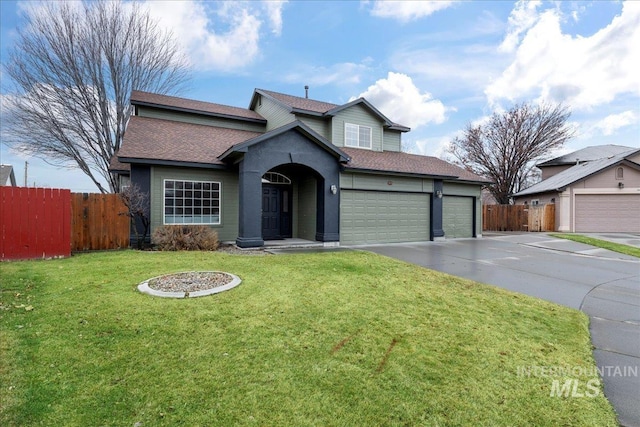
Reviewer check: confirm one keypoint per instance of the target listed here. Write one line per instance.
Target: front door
(276, 208)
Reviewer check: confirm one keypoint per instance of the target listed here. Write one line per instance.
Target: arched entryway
(312, 166)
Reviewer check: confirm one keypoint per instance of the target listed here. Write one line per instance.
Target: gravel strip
(190, 281)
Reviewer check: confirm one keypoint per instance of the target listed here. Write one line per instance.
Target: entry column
(250, 208)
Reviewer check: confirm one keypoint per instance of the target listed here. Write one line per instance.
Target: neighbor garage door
(595, 213)
(383, 217)
(457, 216)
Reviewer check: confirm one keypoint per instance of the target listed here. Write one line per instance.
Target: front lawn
(334, 339)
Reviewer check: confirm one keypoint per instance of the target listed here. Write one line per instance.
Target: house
(596, 189)
(7, 177)
(292, 167)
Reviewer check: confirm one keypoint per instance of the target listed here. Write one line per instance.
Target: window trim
(164, 202)
(620, 175)
(370, 147)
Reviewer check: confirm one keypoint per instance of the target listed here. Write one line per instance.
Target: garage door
(383, 217)
(457, 216)
(595, 213)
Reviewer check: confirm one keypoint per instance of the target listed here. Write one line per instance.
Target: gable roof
(159, 141)
(578, 172)
(294, 103)
(586, 154)
(298, 125)
(193, 106)
(7, 177)
(405, 163)
(300, 105)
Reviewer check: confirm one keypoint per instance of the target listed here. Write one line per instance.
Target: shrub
(185, 238)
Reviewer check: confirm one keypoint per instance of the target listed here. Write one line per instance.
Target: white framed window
(357, 136)
(620, 173)
(535, 202)
(191, 202)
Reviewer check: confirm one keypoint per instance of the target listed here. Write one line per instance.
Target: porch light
(621, 185)
(439, 194)
(334, 189)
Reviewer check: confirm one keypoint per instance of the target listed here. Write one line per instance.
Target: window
(357, 136)
(191, 202)
(535, 202)
(620, 173)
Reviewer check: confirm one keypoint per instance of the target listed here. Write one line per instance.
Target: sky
(433, 66)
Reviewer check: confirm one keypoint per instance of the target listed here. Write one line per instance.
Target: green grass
(334, 339)
(605, 244)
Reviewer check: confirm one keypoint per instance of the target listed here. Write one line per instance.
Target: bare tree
(74, 66)
(137, 203)
(506, 148)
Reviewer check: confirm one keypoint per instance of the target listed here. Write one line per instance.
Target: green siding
(228, 229)
(321, 126)
(275, 114)
(385, 183)
(198, 119)
(391, 140)
(357, 115)
(457, 216)
(306, 220)
(383, 217)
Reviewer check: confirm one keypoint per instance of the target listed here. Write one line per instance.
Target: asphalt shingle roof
(156, 139)
(300, 103)
(392, 161)
(586, 154)
(139, 97)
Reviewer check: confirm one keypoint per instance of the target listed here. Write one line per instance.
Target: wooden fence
(518, 217)
(35, 223)
(98, 222)
(47, 223)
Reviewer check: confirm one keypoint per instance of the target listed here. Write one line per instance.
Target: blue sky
(433, 66)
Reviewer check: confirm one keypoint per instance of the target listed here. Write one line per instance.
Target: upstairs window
(191, 202)
(357, 136)
(620, 173)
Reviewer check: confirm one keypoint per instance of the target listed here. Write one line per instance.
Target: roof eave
(160, 162)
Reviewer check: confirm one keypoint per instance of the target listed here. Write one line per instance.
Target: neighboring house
(292, 167)
(596, 189)
(7, 177)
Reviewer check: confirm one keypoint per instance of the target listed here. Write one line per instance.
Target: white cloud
(610, 124)
(580, 71)
(405, 11)
(274, 13)
(523, 16)
(342, 73)
(398, 98)
(226, 38)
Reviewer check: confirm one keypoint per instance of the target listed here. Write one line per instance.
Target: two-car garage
(597, 213)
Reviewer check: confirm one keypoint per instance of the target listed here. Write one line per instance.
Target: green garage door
(457, 216)
(383, 217)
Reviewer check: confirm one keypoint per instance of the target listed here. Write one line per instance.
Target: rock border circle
(146, 289)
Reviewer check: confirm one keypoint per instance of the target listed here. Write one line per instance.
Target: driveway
(603, 284)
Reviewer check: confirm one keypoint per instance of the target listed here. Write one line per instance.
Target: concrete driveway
(603, 284)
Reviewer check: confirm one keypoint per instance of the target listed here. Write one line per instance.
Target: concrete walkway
(603, 284)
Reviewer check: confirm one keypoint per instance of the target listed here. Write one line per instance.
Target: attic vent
(275, 178)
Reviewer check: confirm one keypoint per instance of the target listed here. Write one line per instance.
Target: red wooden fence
(34, 222)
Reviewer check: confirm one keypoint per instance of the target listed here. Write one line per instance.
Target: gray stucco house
(292, 167)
